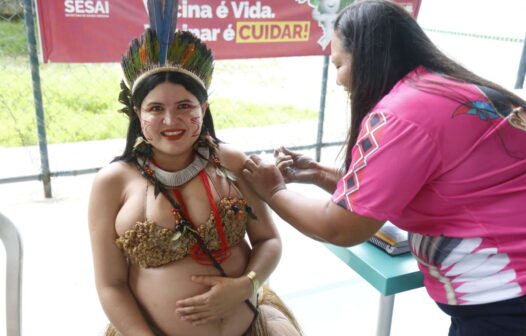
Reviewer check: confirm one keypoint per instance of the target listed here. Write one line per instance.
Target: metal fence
(61, 119)
(58, 119)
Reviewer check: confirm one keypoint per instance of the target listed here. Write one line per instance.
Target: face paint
(171, 120)
(146, 125)
(196, 121)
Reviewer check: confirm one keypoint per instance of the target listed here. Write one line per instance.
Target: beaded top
(147, 244)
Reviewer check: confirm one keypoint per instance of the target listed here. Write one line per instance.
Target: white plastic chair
(13, 248)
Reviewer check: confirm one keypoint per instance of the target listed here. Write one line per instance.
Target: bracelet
(255, 282)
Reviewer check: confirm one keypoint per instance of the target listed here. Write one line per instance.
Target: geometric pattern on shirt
(469, 271)
(366, 146)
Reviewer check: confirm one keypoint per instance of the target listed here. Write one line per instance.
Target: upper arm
(106, 198)
(392, 161)
(263, 227)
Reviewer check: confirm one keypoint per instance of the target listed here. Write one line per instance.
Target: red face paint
(171, 120)
(196, 122)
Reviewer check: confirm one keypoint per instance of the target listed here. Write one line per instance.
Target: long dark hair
(386, 43)
(147, 85)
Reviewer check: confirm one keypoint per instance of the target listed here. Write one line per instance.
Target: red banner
(90, 31)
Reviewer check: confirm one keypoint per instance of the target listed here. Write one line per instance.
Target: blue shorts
(503, 318)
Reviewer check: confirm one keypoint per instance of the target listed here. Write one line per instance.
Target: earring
(142, 148)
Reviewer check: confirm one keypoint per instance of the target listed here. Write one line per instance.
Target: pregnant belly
(158, 289)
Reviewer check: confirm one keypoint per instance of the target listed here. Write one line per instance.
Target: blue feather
(155, 15)
(173, 20)
(163, 19)
(484, 110)
(166, 27)
(167, 18)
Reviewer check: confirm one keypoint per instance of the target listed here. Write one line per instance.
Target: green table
(390, 275)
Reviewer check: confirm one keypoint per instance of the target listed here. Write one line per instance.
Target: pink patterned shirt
(448, 165)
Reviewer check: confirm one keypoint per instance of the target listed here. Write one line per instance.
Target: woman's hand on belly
(224, 295)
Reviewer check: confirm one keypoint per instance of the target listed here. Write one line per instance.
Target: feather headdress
(161, 49)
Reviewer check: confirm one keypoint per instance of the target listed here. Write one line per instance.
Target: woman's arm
(226, 293)
(111, 269)
(296, 167)
(262, 232)
(320, 219)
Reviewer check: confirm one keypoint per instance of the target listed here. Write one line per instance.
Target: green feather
(200, 62)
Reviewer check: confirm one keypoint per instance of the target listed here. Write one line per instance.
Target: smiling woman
(168, 217)
(171, 119)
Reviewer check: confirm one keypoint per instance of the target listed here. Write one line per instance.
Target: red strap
(152, 160)
(197, 253)
(219, 224)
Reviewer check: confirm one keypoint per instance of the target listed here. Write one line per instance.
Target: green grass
(12, 38)
(80, 100)
(80, 104)
(234, 114)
